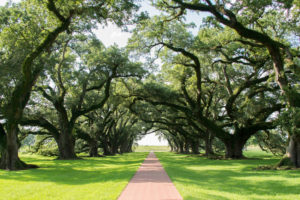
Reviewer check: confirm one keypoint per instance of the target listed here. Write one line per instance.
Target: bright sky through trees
(152, 140)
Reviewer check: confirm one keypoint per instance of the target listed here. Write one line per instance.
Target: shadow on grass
(228, 177)
(78, 172)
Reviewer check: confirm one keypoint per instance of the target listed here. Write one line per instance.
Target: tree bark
(114, 149)
(171, 145)
(172, 148)
(125, 146)
(181, 147)
(104, 144)
(234, 146)
(93, 152)
(195, 147)
(129, 149)
(10, 159)
(186, 147)
(208, 146)
(293, 150)
(175, 149)
(233, 151)
(2, 147)
(66, 145)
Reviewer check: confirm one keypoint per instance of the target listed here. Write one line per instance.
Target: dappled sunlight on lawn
(200, 178)
(90, 178)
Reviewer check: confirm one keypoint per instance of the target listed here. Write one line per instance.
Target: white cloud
(3, 2)
(111, 34)
(152, 140)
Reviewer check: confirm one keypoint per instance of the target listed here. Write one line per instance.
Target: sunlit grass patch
(90, 178)
(199, 178)
(152, 148)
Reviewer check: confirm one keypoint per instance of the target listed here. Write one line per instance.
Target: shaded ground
(200, 178)
(90, 178)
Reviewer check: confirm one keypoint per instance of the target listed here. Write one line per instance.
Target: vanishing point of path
(151, 182)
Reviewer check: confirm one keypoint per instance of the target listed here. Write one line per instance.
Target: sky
(152, 140)
(111, 35)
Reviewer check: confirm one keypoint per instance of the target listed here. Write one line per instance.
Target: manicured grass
(199, 178)
(90, 178)
(152, 148)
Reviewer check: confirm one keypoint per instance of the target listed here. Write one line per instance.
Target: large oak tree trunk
(10, 159)
(9, 147)
(66, 148)
(195, 147)
(14, 111)
(126, 146)
(233, 151)
(129, 148)
(171, 145)
(234, 147)
(294, 150)
(106, 151)
(172, 148)
(93, 152)
(208, 146)
(181, 150)
(2, 147)
(114, 149)
(66, 145)
(186, 147)
(66, 140)
(105, 146)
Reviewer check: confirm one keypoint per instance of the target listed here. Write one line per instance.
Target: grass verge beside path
(90, 178)
(152, 148)
(198, 178)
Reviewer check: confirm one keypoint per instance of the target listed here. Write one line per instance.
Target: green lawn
(152, 148)
(195, 177)
(199, 178)
(90, 178)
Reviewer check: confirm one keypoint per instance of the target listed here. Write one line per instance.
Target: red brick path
(151, 182)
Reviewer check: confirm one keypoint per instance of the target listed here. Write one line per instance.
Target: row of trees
(238, 77)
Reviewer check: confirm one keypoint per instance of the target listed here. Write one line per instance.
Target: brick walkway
(151, 182)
